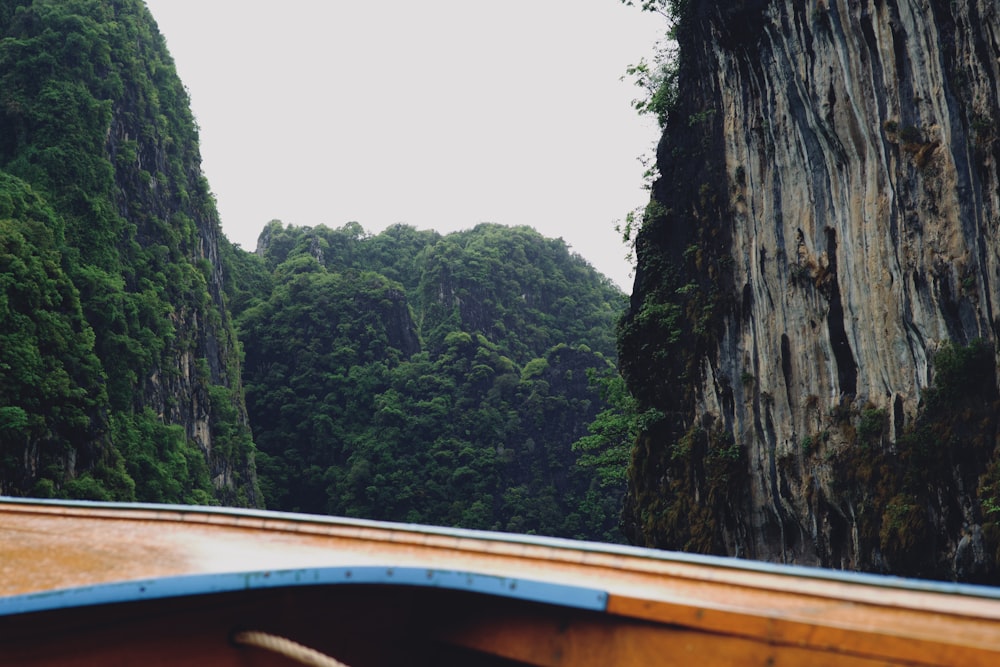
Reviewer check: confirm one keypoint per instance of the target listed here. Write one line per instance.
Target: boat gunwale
(490, 542)
(888, 618)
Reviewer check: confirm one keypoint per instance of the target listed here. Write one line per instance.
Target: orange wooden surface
(51, 547)
(583, 640)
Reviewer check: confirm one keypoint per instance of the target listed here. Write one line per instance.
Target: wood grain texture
(660, 607)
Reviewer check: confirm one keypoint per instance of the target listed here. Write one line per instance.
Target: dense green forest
(465, 379)
(432, 379)
(118, 370)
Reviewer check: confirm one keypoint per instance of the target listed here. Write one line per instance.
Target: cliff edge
(815, 309)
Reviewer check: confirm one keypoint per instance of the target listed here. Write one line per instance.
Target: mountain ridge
(451, 393)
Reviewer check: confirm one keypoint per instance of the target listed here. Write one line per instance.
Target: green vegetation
(407, 375)
(435, 379)
(51, 382)
(107, 296)
(902, 491)
(606, 450)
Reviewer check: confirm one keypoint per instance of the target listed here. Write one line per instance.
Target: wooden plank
(892, 635)
(581, 640)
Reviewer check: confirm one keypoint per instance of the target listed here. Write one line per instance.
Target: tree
(612, 433)
(450, 397)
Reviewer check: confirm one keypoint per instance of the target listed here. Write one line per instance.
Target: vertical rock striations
(818, 269)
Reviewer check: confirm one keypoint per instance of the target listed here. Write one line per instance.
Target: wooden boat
(113, 584)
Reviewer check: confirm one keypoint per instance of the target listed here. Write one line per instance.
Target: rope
(286, 647)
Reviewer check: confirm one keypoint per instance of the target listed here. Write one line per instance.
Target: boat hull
(87, 583)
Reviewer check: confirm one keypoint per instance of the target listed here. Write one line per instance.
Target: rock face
(833, 225)
(161, 190)
(95, 124)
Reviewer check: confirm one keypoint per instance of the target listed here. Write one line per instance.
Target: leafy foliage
(51, 384)
(950, 448)
(612, 433)
(425, 378)
(110, 295)
(406, 375)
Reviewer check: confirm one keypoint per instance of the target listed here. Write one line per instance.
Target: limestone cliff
(96, 125)
(819, 260)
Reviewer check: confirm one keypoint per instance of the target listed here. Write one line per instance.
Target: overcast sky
(437, 113)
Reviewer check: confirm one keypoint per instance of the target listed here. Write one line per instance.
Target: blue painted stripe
(206, 584)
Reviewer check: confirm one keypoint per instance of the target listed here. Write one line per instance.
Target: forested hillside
(405, 375)
(119, 377)
(425, 378)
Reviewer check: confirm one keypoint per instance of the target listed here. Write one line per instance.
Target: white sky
(436, 113)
